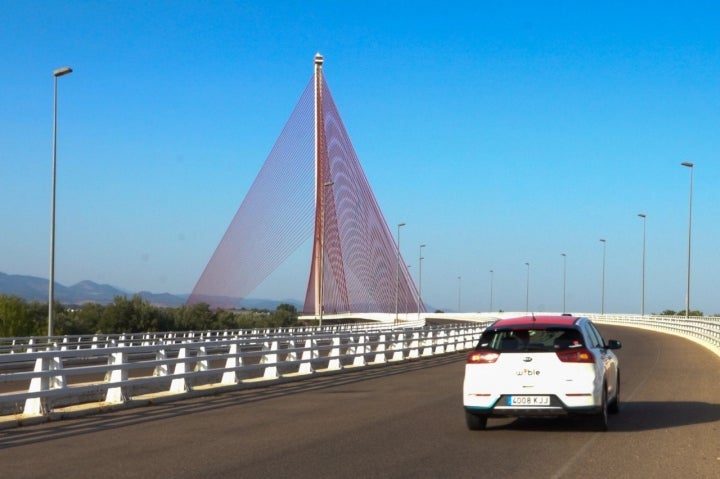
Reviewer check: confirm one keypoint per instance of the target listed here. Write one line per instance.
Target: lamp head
(62, 71)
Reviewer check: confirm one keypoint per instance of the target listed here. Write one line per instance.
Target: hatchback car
(541, 366)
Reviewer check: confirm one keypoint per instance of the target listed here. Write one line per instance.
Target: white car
(541, 366)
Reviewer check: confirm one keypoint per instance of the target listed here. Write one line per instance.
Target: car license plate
(528, 400)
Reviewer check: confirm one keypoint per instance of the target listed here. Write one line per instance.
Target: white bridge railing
(704, 331)
(77, 374)
(46, 378)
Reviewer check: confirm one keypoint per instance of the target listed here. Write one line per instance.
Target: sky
(500, 133)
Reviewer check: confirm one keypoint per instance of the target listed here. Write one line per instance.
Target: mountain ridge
(33, 288)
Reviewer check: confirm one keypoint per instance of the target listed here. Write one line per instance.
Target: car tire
(600, 419)
(475, 422)
(614, 404)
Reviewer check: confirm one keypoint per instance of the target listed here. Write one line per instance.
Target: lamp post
(51, 288)
(420, 258)
(491, 290)
(527, 289)
(564, 277)
(642, 298)
(322, 251)
(687, 292)
(397, 275)
(602, 295)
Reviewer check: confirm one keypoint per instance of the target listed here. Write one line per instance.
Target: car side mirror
(613, 344)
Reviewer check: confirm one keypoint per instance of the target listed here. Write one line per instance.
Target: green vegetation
(21, 318)
(670, 312)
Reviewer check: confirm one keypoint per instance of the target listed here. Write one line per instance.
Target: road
(399, 421)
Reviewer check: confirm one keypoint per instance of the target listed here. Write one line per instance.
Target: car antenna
(533, 316)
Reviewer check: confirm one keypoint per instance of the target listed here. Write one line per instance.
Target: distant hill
(32, 288)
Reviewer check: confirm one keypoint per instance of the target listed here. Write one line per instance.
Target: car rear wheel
(614, 404)
(600, 419)
(475, 422)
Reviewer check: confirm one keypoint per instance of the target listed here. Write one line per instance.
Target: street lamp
(564, 277)
(642, 302)
(397, 275)
(420, 258)
(322, 252)
(602, 300)
(527, 289)
(687, 292)
(51, 288)
(491, 290)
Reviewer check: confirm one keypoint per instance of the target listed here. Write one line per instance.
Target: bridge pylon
(312, 186)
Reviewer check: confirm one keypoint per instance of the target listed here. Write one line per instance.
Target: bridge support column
(310, 353)
(202, 362)
(38, 405)
(428, 344)
(334, 363)
(440, 341)
(161, 369)
(414, 346)
(117, 394)
(358, 351)
(452, 341)
(232, 363)
(179, 385)
(270, 358)
(291, 356)
(467, 339)
(398, 347)
(380, 351)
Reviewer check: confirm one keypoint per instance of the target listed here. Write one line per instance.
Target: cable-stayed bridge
(312, 185)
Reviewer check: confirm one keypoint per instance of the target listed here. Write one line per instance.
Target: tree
(285, 315)
(123, 315)
(84, 320)
(196, 317)
(15, 318)
(129, 316)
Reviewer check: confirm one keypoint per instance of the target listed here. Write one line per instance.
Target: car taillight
(576, 356)
(482, 357)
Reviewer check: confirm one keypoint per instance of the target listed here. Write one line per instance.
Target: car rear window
(530, 339)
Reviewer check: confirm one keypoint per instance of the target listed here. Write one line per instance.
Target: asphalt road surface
(399, 421)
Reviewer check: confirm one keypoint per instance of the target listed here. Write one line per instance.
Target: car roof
(535, 321)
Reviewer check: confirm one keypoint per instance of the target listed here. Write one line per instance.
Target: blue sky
(501, 133)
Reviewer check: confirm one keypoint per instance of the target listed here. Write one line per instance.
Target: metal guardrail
(23, 344)
(704, 331)
(66, 377)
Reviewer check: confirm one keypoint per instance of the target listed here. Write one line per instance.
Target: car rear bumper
(500, 407)
(536, 412)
